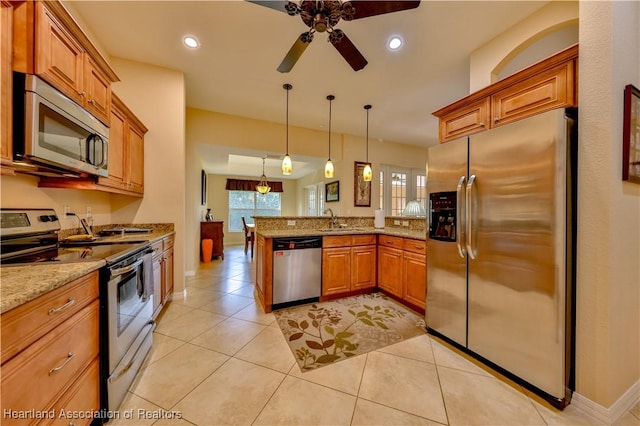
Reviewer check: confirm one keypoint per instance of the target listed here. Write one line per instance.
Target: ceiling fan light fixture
(328, 168)
(287, 167)
(191, 42)
(395, 43)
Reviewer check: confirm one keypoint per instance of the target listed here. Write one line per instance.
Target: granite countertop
(396, 232)
(20, 284)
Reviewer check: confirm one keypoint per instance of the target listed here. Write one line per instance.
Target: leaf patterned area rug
(326, 332)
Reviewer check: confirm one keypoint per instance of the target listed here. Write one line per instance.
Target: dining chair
(248, 237)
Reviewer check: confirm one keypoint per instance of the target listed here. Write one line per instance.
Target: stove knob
(53, 217)
(45, 218)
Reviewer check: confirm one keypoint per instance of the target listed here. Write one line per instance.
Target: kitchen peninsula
(356, 256)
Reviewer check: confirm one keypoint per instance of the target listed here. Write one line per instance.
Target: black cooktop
(112, 253)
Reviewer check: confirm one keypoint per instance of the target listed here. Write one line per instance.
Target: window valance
(250, 185)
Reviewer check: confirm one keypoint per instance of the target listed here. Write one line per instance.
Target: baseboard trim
(608, 415)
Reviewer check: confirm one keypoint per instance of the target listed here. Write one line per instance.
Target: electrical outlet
(291, 223)
(88, 212)
(405, 223)
(66, 210)
(396, 222)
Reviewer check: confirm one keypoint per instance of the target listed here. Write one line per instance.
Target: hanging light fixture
(287, 167)
(367, 173)
(263, 186)
(328, 168)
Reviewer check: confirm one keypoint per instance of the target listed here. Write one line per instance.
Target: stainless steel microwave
(52, 130)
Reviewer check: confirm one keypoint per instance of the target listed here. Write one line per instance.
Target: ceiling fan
(323, 15)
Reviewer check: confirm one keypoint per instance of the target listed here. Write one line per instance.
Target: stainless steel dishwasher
(297, 271)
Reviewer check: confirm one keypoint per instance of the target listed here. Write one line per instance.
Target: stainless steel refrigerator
(500, 248)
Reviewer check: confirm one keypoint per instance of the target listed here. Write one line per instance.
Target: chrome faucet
(334, 219)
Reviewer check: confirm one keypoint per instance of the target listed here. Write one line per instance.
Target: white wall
(157, 97)
(608, 345)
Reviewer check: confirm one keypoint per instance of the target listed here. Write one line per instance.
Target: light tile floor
(217, 358)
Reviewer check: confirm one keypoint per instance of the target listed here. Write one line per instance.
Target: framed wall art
(361, 189)
(631, 135)
(332, 191)
(203, 188)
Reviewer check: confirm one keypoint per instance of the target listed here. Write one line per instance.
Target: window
(314, 199)
(398, 186)
(251, 203)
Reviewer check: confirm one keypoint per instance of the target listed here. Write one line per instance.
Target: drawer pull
(417, 246)
(61, 366)
(54, 311)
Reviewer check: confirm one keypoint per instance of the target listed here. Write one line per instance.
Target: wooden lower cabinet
(336, 270)
(264, 271)
(213, 230)
(348, 263)
(56, 366)
(414, 274)
(163, 278)
(390, 270)
(167, 269)
(402, 269)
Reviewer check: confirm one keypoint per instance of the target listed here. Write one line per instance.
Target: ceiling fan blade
(350, 53)
(294, 53)
(279, 5)
(364, 8)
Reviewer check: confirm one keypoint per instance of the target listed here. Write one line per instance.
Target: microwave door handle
(105, 153)
(103, 157)
(91, 143)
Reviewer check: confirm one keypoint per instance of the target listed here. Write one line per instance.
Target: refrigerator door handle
(469, 214)
(460, 217)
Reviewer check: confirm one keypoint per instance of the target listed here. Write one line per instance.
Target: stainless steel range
(30, 236)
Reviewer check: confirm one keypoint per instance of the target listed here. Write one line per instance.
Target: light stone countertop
(396, 232)
(22, 283)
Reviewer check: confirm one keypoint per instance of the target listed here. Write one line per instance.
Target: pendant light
(263, 186)
(328, 168)
(287, 167)
(367, 173)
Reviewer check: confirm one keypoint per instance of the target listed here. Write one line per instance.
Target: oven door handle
(121, 271)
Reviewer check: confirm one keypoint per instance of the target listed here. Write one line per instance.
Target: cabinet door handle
(496, 119)
(61, 366)
(92, 101)
(83, 94)
(54, 311)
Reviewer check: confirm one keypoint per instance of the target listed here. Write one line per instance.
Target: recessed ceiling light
(395, 42)
(191, 42)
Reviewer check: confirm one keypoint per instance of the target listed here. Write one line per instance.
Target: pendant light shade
(287, 167)
(263, 186)
(367, 173)
(328, 168)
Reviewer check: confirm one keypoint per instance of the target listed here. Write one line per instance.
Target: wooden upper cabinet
(465, 121)
(135, 159)
(126, 150)
(546, 85)
(59, 57)
(97, 89)
(542, 92)
(50, 44)
(6, 38)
